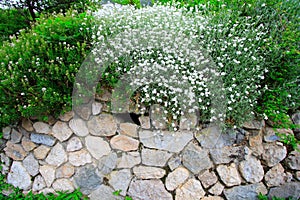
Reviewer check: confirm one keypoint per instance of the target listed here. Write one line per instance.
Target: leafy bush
(38, 66)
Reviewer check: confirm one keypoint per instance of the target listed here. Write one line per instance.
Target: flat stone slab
(245, 192)
(18, 176)
(287, 190)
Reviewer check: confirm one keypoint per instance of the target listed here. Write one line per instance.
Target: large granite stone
(41, 152)
(65, 171)
(273, 154)
(251, 170)
(144, 172)
(57, 155)
(129, 129)
(15, 136)
(192, 189)
(291, 189)
(18, 176)
(38, 183)
(152, 157)
(79, 127)
(229, 175)
(120, 180)
(64, 185)
(27, 144)
(61, 131)
(176, 178)
(107, 163)
(293, 160)
(227, 154)
(74, 144)
(105, 192)
(48, 173)
(42, 139)
(97, 146)
(15, 151)
(124, 143)
(31, 165)
(245, 192)
(79, 158)
(129, 160)
(102, 125)
(275, 176)
(208, 178)
(41, 127)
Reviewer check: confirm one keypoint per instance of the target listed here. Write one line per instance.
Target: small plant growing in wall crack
(117, 193)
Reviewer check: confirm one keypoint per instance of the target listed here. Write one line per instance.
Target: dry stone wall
(100, 153)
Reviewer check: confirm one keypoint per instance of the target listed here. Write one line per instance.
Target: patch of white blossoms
(168, 54)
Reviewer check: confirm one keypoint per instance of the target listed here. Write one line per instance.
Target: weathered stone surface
(97, 146)
(83, 111)
(102, 125)
(129, 129)
(57, 155)
(293, 160)
(38, 183)
(166, 140)
(18, 176)
(41, 152)
(217, 189)
(251, 170)
(2, 144)
(195, 158)
(66, 116)
(157, 117)
(208, 178)
(87, 179)
(245, 192)
(287, 190)
(48, 173)
(6, 132)
(63, 185)
(79, 127)
(31, 165)
(15, 136)
(275, 176)
(255, 124)
(212, 198)
(296, 120)
(226, 154)
(229, 174)
(124, 143)
(270, 135)
(188, 121)
(148, 189)
(79, 158)
(107, 163)
(105, 192)
(27, 124)
(143, 172)
(15, 151)
(212, 138)
(41, 127)
(120, 180)
(65, 171)
(61, 131)
(74, 144)
(96, 108)
(42, 139)
(129, 160)
(27, 144)
(176, 178)
(5, 163)
(153, 157)
(192, 189)
(145, 122)
(174, 162)
(273, 154)
(47, 191)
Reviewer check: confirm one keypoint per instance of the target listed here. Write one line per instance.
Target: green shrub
(38, 67)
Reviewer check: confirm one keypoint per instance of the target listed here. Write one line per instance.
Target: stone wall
(101, 153)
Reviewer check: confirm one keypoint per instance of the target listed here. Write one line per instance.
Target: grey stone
(251, 170)
(27, 125)
(15, 151)
(61, 131)
(66, 116)
(296, 120)
(2, 144)
(293, 160)
(87, 179)
(212, 138)
(157, 116)
(129, 160)
(31, 165)
(41, 127)
(275, 176)
(145, 122)
(6, 132)
(176, 178)
(38, 183)
(208, 178)
(148, 189)
(48, 173)
(174, 162)
(254, 124)
(47, 191)
(124, 143)
(74, 144)
(107, 163)
(297, 175)
(273, 154)
(287, 190)
(64, 185)
(41, 152)
(97, 146)
(79, 158)
(217, 189)
(227, 154)
(65, 171)
(165, 140)
(42, 139)
(188, 121)
(15, 136)
(96, 108)
(79, 127)
(57, 155)
(5, 163)
(153, 157)
(102, 125)
(196, 159)
(192, 189)
(270, 135)
(245, 192)
(229, 174)
(83, 111)
(129, 129)
(120, 180)
(212, 198)
(18, 176)
(105, 192)
(27, 144)
(144, 172)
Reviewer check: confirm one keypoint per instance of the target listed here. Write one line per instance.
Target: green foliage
(39, 66)
(118, 193)
(264, 197)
